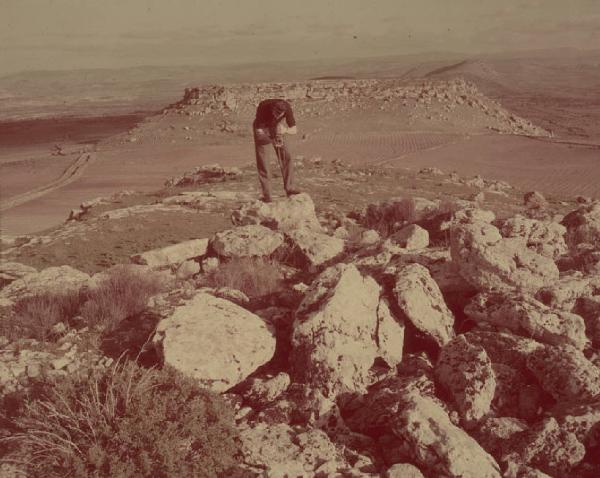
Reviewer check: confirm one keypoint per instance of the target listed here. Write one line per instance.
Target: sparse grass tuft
(128, 422)
(124, 292)
(35, 316)
(255, 277)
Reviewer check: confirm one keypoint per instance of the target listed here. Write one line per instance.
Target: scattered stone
(411, 237)
(534, 200)
(261, 392)
(187, 269)
(545, 238)
(11, 271)
(403, 470)
(205, 174)
(369, 237)
(583, 225)
(313, 248)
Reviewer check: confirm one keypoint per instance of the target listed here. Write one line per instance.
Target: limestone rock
(465, 370)
(246, 241)
(403, 470)
(421, 300)
(263, 391)
(314, 248)
(369, 237)
(214, 341)
(205, 174)
(542, 237)
(187, 269)
(489, 262)
(390, 335)
(547, 447)
(174, 254)
(579, 419)
(53, 280)
(411, 237)
(565, 373)
(524, 315)
(295, 212)
(583, 225)
(11, 271)
(333, 344)
(439, 446)
(507, 349)
(280, 451)
(495, 434)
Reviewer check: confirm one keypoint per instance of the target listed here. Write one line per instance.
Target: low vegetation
(255, 277)
(127, 422)
(388, 218)
(122, 293)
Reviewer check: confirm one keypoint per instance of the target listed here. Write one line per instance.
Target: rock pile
(384, 356)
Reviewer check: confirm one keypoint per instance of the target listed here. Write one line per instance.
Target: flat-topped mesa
(349, 94)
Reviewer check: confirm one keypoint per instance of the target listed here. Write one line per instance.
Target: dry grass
(386, 218)
(123, 293)
(126, 421)
(255, 277)
(35, 316)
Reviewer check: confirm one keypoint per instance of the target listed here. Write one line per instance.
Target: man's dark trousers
(261, 144)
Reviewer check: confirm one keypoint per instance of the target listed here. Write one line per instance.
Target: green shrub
(126, 422)
(255, 277)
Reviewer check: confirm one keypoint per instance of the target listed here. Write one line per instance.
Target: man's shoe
(266, 199)
(293, 192)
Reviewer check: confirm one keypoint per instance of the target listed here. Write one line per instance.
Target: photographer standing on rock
(269, 129)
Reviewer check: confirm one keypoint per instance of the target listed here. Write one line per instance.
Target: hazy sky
(61, 34)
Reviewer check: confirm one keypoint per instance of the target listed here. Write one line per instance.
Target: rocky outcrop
(524, 315)
(214, 341)
(333, 345)
(246, 241)
(172, 255)
(420, 299)
(489, 262)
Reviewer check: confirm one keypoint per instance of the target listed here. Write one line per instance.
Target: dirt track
(71, 174)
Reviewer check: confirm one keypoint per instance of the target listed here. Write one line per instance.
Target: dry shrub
(127, 422)
(123, 293)
(387, 217)
(254, 276)
(35, 316)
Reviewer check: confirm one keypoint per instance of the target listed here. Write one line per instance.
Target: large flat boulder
(422, 302)
(333, 339)
(313, 248)
(214, 341)
(172, 255)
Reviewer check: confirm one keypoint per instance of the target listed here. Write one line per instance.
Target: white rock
(411, 237)
(421, 300)
(246, 241)
(175, 254)
(314, 248)
(390, 335)
(214, 341)
(333, 345)
(465, 370)
(542, 237)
